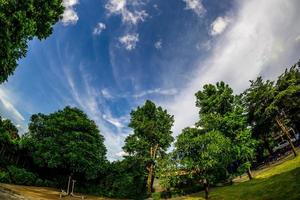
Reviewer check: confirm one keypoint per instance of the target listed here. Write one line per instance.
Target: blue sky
(108, 56)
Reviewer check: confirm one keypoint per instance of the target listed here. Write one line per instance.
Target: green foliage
(256, 99)
(123, 179)
(203, 155)
(152, 126)
(4, 177)
(286, 96)
(9, 147)
(221, 111)
(151, 138)
(66, 141)
(21, 176)
(21, 21)
(215, 99)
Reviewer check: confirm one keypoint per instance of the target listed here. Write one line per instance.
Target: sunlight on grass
(275, 182)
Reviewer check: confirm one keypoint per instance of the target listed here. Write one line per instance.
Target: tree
(286, 102)
(151, 138)
(21, 21)
(204, 155)
(66, 141)
(8, 142)
(221, 111)
(257, 99)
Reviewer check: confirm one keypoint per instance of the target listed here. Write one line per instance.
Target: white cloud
(129, 41)
(159, 91)
(106, 94)
(256, 44)
(130, 16)
(219, 25)
(196, 6)
(69, 16)
(70, 3)
(158, 44)
(99, 28)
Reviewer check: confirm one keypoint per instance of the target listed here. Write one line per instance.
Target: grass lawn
(276, 182)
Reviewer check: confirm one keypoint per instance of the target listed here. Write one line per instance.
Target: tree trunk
(151, 170)
(206, 188)
(267, 145)
(150, 178)
(249, 174)
(286, 132)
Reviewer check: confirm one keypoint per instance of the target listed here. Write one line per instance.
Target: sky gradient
(108, 56)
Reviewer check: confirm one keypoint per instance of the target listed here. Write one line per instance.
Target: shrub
(4, 177)
(21, 176)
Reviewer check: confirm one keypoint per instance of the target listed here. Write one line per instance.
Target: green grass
(277, 182)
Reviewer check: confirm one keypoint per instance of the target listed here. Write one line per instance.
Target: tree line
(233, 133)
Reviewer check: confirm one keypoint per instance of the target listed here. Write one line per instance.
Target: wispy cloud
(99, 28)
(120, 122)
(106, 94)
(70, 16)
(196, 6)
(10, 111)
(6, 103)
(90, 99)
(157, 91)
(256, 44)
(129, 41)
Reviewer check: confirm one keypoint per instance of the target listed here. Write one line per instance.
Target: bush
(156, 196)
(21, 176)
(4, 177)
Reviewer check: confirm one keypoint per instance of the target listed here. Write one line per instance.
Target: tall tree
(66, 141)
(286, 102)
(21, 21)
(204, 155)
(151, 138)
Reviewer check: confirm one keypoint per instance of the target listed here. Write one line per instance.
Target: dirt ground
(17, 192)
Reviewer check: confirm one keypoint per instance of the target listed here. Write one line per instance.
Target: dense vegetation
(234, 133)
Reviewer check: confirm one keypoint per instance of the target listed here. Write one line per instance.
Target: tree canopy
(21, 21)
(66, 140)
